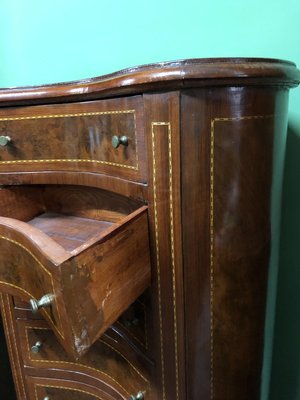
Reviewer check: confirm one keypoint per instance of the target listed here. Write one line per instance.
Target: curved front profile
(82, 273)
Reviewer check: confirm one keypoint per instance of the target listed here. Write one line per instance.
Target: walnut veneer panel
(92, 265)
(75, 137)
(185, 214)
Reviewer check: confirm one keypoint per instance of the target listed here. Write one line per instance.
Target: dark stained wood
(131, 190)
(133, 323)
(68, 231)
(242, 247)
(163, 124)
(13, 200)
(14, 346)
(229, 150)
(113, 273)
(94, 268)
(75, 137)
(161, 76)
(58, 389)
(103, 362)
(194, 200)
(87, 202)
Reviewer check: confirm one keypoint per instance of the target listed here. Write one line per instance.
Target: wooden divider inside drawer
(85, 248)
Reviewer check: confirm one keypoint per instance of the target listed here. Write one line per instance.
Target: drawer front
(82, 270)
(75, 137)
(22, 273)
(103, 364)
(132, 323)
(58, 389)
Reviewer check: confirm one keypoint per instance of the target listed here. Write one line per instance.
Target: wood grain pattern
(194, 201)
(163, 76)
(40, 387)
(103, 362)
(132, 190)
(162, 114)
(112, 275)
(14, 347)
(68, 231)
(76, 137)
(107, 261)
(226, 235)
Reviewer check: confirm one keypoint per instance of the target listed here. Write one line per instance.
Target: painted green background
(59, 40)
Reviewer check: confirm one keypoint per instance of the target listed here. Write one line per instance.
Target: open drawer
(80, 255)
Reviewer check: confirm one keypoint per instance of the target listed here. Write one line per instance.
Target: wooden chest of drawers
(136, 230)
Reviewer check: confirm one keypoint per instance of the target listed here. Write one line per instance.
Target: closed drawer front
(102, 366)
(17, 257)
(58, 389)
(132, 323)
(75, 137)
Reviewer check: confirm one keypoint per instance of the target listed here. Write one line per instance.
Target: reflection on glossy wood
(75, 137)
(161, 77)
(57, 389)
(103, 361)
(194, 192)
(66, 256)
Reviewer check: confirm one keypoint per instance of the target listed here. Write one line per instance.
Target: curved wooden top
(167, 75)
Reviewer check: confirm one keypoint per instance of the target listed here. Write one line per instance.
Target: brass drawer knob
(44, 301)
(36, 347)
(4, 140)
(139, 396)
(117, 140)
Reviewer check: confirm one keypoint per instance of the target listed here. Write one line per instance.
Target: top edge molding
(170, 75)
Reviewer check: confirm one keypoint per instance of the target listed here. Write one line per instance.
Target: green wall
(44, 42)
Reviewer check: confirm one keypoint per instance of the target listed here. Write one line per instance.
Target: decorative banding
(36, 385)
(70, 161)
(29, 294)
(12, 358)
(173, 259)
(168, 125)
(211, 216)
(157, 258)
(81, 365)
(83, 114)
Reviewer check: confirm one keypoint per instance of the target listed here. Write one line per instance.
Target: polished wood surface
(227, 233)
(95, 265)
(58, 389)
(98, 365)
(14, 346)
(158, 253)
(161, 76)
(162, 113)
(75, 137)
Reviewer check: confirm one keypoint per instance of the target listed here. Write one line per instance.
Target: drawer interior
(69, 231)
(79, 253)
(71, 216)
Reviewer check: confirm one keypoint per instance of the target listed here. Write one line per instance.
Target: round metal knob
(139, 396)
(117, 140)
(44, 301)
(46, 398)
(4, 140)
(36, 347)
